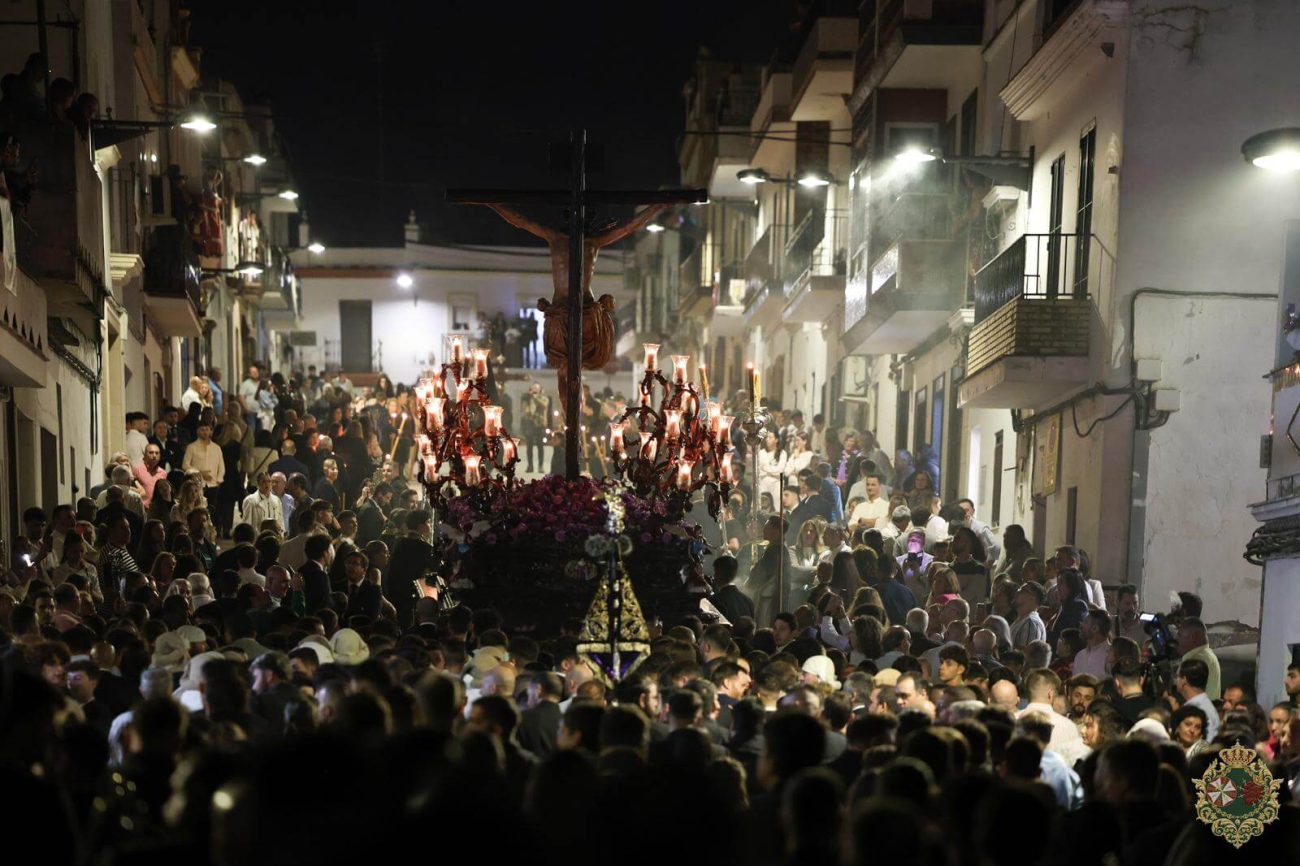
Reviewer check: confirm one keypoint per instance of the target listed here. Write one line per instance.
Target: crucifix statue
(573, 263)
(598, 324)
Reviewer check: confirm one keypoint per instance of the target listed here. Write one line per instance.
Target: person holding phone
(914, 565)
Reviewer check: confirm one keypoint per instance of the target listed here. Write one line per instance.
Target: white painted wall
(413, 323)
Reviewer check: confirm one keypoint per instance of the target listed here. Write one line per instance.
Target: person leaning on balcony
(16, 185)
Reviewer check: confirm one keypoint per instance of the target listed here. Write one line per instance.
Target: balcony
(23, 318)
(1073, 35)
(912, 289)
(764, 295)
(173, 293)
(1031, 338)
(695, 291)
(917, 44)
(815, 270)
(62, 249)
(823, 72)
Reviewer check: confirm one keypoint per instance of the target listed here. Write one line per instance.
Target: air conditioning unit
(302, 338)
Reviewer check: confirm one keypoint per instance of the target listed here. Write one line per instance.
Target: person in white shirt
(872, 512)
(992, 549)
(204, 456)
(192, 394)
(248, 392)
(1190, 681)
(262, 505)
(247, 561)
(1029, 626)
(122, 477)
(833, 539)
(1042, 687)
(1095, 629)
(137, 436)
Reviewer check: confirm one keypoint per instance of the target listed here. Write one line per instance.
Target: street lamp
(915, 155)
(287, 195)
(1276, 150)
(315, 248)
(405, 281)
(808, 180)
(198, 123)
(244, 269)
(255, 159)
(654, 228)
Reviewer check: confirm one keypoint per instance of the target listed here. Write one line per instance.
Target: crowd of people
(274, 668)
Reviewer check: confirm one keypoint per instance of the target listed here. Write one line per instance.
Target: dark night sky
(471, 94)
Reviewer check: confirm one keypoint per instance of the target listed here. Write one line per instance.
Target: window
(1083, 218)
(1071, 512)
(902, 415)
(464, 312)
(919, 431)
(995, 515)
(1054, 219)
(969, 116)
(937, 407)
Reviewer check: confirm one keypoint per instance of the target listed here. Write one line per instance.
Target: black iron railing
(1034, 266)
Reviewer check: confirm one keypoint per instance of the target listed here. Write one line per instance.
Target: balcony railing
(915, 216)
(758, 265)
(800, 249)
(171, 268)
(937, 22)
(1049, 266)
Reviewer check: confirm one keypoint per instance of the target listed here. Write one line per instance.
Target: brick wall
(1031, 327)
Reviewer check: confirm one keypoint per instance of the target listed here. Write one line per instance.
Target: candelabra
(479, 459)
(684, 445)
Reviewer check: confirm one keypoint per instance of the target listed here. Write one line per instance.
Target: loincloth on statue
(598, 328)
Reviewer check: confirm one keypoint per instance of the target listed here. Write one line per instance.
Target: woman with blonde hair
(190, 498)
(944, 586)
(809, 548)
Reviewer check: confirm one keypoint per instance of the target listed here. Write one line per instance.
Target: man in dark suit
(727, 598)
(364, 597)
(808, 504)
(413, 558)
(539, 725)
(370, 513)
(315, 572)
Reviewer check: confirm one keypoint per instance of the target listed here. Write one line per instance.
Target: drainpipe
(1135, 559)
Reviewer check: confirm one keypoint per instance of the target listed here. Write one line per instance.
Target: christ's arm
(520, 221)
(635, 224)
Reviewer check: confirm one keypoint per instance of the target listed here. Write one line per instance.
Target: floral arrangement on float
(535, 549)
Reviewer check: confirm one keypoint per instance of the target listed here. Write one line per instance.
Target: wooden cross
(580, 251)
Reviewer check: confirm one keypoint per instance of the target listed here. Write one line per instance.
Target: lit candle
(758, 390)
(462, 390)
(651, 356)
(492, 420)
(480, 363)
(727, 472)
(724, 428)
(704, 381)
(435, 412)
(684, 474)
(616, 437)
(430, 467)
(673, 422)
(437, 388)
(679, 368)
(423, 389)
(714, 415)
(509, 450)
(752, 384)
(690, 404)
(472, 475)
(457, 348)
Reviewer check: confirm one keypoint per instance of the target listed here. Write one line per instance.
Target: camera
(1162, 641)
